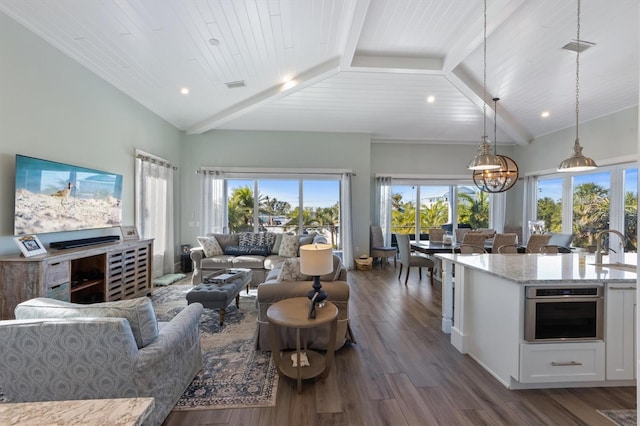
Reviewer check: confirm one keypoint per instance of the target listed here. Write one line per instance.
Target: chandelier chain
(484, 75)
(578, 73)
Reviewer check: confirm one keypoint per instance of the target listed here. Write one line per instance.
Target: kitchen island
(492, 311)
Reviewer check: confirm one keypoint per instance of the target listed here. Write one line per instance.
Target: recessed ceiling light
(431, 99)
(214, 41)
(545, 114)
(184, 91)
(289, 84)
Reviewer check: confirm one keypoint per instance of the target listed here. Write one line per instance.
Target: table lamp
(316, 260)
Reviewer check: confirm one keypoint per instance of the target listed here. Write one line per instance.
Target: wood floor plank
(404, 371)
(578, 406)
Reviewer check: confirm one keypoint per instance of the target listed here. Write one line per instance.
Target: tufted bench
(219, 296)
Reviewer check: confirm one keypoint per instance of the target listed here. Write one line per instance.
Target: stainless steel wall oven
(564, 313)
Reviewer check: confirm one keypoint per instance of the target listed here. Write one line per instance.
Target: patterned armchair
(58, 351)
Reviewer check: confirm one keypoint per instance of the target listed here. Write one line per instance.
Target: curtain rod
(270, 171)
(143, 156)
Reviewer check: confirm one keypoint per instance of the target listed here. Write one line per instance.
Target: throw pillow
(210, 246)
(257, 239)
(247, 250)
(289, 246)
(306, 239)
(276, 243)
(269, 240)
(290, 271)
(250, 238)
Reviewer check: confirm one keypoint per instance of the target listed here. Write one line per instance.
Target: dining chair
(474, 239)
(460, 233)
(471, 249)
(537, 241)
(550, 249)
(500, 240)
(378, 249)
(410, 260)
(510, 249)
(436, 235)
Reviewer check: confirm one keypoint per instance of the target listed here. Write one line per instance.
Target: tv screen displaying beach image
(57, 197)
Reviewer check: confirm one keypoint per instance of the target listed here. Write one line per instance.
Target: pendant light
(485, 160)
(497, 180)
(577, 162)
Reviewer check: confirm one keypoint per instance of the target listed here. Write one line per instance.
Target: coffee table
(293, 313)
(218, 295)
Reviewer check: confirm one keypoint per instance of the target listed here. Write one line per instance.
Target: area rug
(168, 279)
(621, 417)
(234, 374)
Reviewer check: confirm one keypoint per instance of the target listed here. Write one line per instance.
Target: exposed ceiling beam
(359, 17)
(315, 75)
(474, 90)
(396, 64)
(497, 13)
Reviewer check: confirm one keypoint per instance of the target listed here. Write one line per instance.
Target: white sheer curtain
(530, 210)
(346, 221)
(154, 208)
(214, 211)
(383, 202)
(497, 211)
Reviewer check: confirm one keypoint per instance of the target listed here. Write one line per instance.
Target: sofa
(286, 281)
(258, 251)
(57, 350)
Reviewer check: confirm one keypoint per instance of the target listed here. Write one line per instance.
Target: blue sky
(553, 187)
(316, 193)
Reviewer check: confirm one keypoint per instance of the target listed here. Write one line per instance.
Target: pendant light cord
(495, 126)
(578, 74)
(484, 76)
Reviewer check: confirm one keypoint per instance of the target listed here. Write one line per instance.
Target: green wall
(53, 108)
(300, 150)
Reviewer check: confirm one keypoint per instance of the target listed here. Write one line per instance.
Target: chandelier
(485, 160)
(503, 178)
(577, 162)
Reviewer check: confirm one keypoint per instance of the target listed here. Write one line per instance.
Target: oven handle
(565, 364)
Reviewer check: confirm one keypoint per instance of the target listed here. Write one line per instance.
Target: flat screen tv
(57, 197)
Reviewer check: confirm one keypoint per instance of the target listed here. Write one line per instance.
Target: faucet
(600, 239)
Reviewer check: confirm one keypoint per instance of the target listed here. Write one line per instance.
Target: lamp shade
(316, 259)
(484, 160)
(578, 162)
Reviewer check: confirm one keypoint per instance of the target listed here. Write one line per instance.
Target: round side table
(292, 313)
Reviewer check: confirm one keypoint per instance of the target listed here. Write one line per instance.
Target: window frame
(616, 194)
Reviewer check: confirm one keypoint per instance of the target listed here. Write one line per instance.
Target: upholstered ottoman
(219, 295)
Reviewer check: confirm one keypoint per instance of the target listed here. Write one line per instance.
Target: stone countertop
(120, 411)
(542, 269)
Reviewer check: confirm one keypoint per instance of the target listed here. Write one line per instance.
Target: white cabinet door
(620, 331)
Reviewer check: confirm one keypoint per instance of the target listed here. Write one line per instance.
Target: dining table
(432, 247)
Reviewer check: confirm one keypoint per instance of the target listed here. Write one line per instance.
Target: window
(285, 205)
(240, 204)
(436, 208)
(591, 202)
(403, 209)
(587, 203)
(550, 204)
(630, 212)
(473, 207)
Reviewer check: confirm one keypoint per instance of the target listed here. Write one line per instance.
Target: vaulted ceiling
(353, 65)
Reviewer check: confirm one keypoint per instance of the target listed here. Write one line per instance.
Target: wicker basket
(364, 263)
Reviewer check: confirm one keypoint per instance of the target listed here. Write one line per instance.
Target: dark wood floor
(404, 371)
